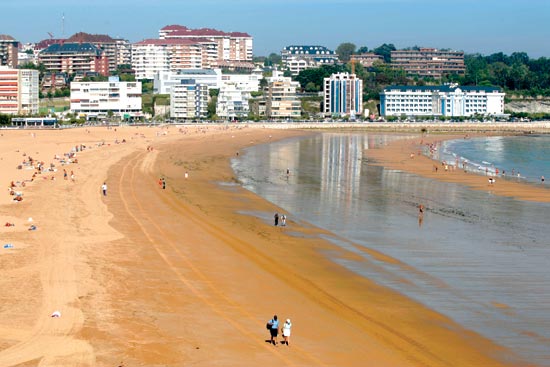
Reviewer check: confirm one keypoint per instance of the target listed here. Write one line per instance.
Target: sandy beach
(146, 276)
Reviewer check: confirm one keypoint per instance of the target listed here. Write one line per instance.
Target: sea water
(522, 158)
(480, 259)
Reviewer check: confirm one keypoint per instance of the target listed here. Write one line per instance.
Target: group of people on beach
(282, 218)
(273, 327)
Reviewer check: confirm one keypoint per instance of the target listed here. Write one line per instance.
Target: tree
(345, 50)
(273, 59)
(362, 50)
(311, 87)
(385, 51)
(317, 75)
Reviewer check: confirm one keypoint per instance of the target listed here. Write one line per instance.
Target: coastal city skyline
(471, 26)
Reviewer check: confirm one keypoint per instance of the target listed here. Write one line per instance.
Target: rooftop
(6, 37)
(72, 48)
(166, 42)
(441, 88)
(91, 38)
(182, 31)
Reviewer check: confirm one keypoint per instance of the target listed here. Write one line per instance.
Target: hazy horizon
(472, 26)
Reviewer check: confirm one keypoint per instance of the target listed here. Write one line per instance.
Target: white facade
(213, 78)
(28, 91)
(164, 81)
(19, 91)
(281, 101)
(244, 82)
(149, 59)
(232, 101)
(96, 99)
(445, 100)
(189, 100)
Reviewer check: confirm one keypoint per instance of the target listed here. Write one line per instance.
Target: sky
(473, 26)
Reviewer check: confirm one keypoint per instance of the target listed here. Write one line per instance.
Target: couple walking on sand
(273, 327)
(282, 217)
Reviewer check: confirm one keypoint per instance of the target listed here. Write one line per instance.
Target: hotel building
(343, 95)
(96, 99)
(444, 100)
(189, 100)
(18, 91)
(429, 62)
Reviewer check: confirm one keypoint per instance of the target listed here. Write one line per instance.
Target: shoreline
(397, 155)
(137, 283)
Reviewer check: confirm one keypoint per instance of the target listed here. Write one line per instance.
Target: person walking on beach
(285, 330)
(542, 179)
(273, 325)
(276, 218)
(283, 220)
(104, 189)
(64, 174)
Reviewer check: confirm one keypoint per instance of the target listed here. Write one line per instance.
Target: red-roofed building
(151, 56)
(232, 46)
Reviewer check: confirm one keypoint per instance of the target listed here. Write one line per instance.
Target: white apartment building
(232, 101)
(152, 56)
(189, 100)
(444, 100)
(281, 100)
(165, 80)
(343, 95)
(19, 91)
(213, 78)
(96, 99)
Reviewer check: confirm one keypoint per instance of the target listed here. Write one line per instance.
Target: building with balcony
(165, 80)
(9, 49)
(367, 59)
(189, 100)
(152, 56)
(18, 91)
(444, 100)
(343, 95)
(299, 57)
(281, 99)
(221, 46)
(98, 99)
(233, 101)
(429, 62)
(72, 58)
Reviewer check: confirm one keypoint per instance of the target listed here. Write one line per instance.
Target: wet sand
(153, 277)
(397, 155)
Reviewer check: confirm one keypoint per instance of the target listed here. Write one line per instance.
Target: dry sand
(152, 277)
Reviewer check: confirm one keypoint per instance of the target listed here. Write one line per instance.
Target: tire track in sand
(147, 224)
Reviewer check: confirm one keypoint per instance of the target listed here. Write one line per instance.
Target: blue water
(479, 259)
(528, 155)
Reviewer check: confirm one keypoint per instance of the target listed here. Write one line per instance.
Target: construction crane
(50, 34)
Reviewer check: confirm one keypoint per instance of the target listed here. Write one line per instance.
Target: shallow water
(523, 158)
(477, 258)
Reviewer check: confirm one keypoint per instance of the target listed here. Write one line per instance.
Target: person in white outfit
(286, 331)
